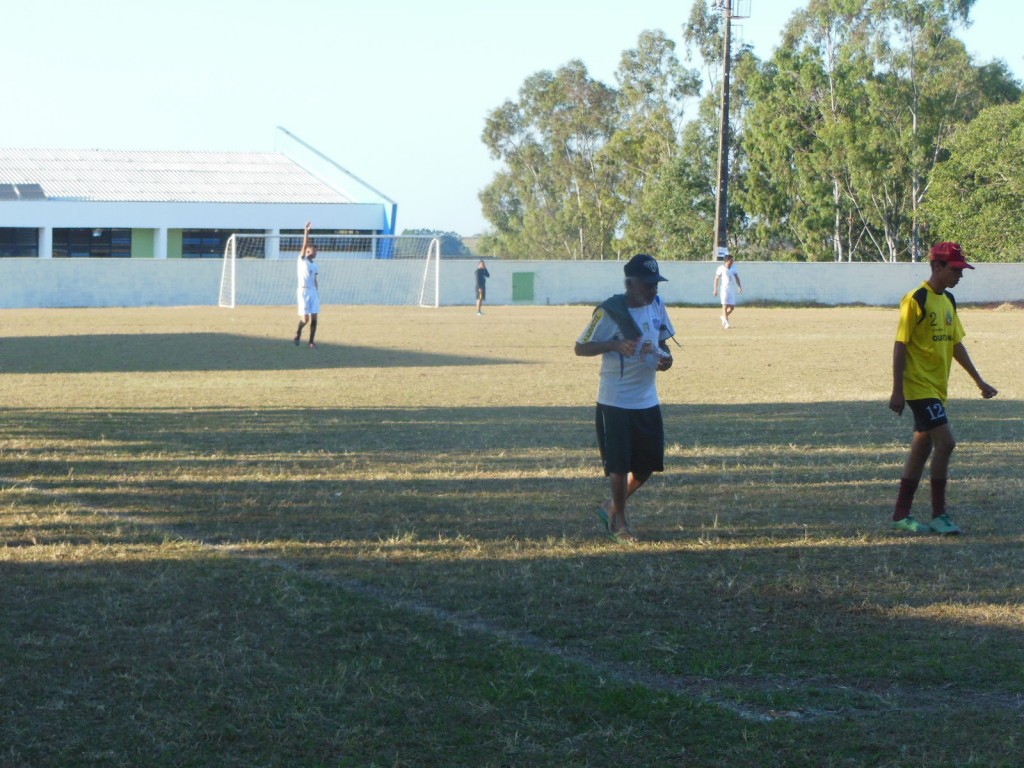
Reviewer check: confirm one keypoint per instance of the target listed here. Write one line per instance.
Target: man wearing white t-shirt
(630, 332)
(308, 292)
(727, 285)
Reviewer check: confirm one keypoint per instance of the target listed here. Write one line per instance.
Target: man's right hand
(625, 347)
(897, 403)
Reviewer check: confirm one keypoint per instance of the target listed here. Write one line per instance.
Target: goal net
(353, 269)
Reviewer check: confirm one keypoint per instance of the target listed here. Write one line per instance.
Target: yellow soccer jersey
(929, 333)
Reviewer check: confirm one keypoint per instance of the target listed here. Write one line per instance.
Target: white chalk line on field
(617, 673)
(701, 690)
(888, 699)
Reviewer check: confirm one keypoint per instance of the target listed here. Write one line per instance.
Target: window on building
(19, 242)
(203, 243)
(92, 243)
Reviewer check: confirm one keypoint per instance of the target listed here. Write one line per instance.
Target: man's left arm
(666, 327)
(961, 356)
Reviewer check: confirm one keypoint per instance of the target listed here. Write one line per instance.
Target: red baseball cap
(951, 253)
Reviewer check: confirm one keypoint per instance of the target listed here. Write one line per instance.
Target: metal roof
(98, 175)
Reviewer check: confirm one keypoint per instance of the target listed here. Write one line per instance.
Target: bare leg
(622, 487)
(312, 329)
(943, 444)
(920, 449)
(726, 311)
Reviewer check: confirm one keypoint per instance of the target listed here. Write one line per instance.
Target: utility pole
(722, 198)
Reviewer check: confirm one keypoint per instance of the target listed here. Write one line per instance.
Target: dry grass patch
(218, 548)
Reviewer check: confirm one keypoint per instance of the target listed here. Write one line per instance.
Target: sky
(394, 92)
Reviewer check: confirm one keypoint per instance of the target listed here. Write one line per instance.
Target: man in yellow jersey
(928, 339)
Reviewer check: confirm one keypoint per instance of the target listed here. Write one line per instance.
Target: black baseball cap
(645, 268)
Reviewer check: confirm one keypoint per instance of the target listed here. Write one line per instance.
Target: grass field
(218, 549)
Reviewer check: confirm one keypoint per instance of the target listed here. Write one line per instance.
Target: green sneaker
(942, 524)
(909, 525)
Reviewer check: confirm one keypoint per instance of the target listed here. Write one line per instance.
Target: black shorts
(630, 440)
(481, 292)
(929, 413)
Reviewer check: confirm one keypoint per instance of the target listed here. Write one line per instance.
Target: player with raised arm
(308, 293)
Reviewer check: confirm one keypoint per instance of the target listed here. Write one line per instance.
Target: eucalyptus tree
(672, 204)
(583, 159)
(553, 198)
(977, 193)
(875, 87)
(925, 85)
(800, 129)
(653, 94)
(678, 208)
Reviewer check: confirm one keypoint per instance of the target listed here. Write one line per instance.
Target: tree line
(870, 133)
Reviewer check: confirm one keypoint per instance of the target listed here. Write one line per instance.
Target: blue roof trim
(329, 172)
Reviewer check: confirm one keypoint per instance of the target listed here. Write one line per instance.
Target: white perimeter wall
(691, 282)
(27, 283)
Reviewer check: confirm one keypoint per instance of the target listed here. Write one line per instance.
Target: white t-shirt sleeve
(600, 328)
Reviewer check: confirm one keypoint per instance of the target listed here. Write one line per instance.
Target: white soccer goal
(354, 269)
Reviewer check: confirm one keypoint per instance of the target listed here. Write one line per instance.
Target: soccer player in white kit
(308, 293)
(727, 284)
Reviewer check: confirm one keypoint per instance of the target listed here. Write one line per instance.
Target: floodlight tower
(731, 9)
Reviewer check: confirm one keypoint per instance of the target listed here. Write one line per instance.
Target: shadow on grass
(187, 659)
(166, 352)
(767, 575)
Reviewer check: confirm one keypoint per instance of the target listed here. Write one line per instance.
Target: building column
(273, 244)
(160, 243)
(45, 250)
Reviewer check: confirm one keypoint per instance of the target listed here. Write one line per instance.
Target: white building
(57, 203)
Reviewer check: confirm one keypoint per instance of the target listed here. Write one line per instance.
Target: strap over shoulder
(618, 310)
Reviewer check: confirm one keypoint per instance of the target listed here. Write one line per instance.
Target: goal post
(227, 274)
(353, 269)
